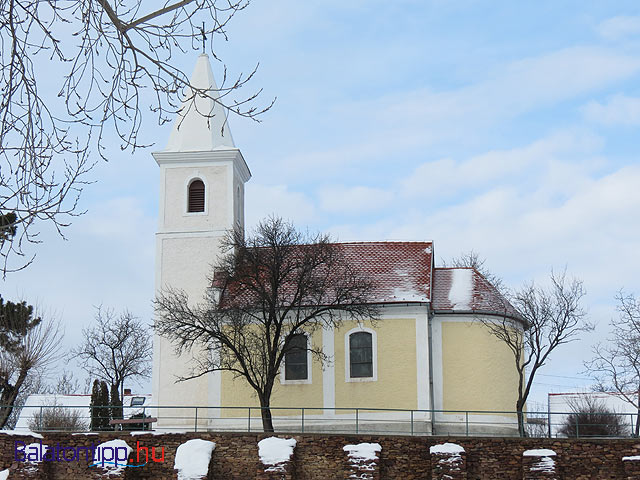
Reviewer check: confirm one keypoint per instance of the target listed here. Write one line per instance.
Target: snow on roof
(446, 448)
(363, 451)
(193, 458)
(400, 271)
(461, 290)
(274, 450)
(464, 290)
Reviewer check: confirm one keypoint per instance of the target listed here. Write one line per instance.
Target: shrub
(592, 418)
(59, 418)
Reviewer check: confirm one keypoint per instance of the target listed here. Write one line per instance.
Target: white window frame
(187, 184)
(347, 355)
(306, 381)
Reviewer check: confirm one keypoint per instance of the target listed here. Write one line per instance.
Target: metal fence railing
(78, 418)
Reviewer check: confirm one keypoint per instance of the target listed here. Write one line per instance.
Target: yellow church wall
(478, 369)
(395, 386)
(237, 392)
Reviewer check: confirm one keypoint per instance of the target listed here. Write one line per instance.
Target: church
(427, 364)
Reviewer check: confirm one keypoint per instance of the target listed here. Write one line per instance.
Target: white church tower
(202, 177)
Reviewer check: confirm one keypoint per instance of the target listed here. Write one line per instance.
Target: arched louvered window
(196, 196)
(295, 359)
(360, 355)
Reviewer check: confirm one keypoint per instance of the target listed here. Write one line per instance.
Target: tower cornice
(164, 158)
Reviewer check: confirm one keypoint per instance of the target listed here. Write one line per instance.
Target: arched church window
(295, 359)
(360, 355)
(196, 196)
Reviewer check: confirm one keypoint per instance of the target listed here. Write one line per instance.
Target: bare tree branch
(266, 290)
(38, 349)
(117, 348)
(549, 317)
(616, 363)
(114, 63)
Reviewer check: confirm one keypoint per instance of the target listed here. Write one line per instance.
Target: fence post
(411, 422)
(356, 421)
(466, 421)
(249, 420)
(195, 426)
(40, 422)
(302, 419)
(577, 427)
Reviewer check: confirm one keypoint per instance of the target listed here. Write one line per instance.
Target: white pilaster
(329, 373)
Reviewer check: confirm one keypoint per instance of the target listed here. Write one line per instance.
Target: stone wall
(319, 456)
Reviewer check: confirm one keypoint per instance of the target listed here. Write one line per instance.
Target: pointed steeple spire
(201, 125)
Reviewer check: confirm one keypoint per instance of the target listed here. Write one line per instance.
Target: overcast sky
(509, 128)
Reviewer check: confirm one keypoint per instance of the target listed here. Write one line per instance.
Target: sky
(507, 128)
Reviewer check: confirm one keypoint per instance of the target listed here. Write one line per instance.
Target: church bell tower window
(196, 196)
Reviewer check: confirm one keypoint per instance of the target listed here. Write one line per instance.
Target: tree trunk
(9, 396)
(265, 412)
(637, 432)
(520, 413)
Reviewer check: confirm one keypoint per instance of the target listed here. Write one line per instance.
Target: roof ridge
(456, 268)
(383, 242)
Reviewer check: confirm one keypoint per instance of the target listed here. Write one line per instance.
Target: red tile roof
(466, 290)
(399, 271)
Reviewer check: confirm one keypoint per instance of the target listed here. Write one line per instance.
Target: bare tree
(37, 350)
(107, 55)
(115, 349)
(616, 364)
(544, 319)
(267, 289)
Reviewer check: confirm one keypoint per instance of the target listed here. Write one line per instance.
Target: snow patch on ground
(446, 449)
(154, 432)
(362, 458)
(363, 451)
(275, 451)
(193, 458)
(22, 432)
(545, 463)
(539, 452)
(28, 448)
(116, 464)
(461, 288)
(633, 458)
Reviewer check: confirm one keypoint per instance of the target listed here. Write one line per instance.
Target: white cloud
(407, 124)
(264, 200)
(352, 200)
(618, 110)
(619, 27)
(447, 177)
